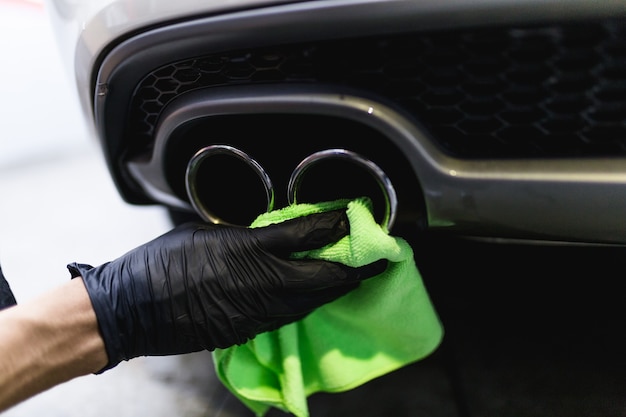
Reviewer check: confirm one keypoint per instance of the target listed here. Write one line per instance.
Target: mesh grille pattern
(551, 91)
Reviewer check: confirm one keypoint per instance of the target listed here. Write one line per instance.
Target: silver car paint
(565, 200)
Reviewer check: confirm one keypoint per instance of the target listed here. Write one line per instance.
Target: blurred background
(59, 205)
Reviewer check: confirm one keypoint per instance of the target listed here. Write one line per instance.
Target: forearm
(47, 341)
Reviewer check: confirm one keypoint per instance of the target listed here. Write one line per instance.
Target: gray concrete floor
(58, 205)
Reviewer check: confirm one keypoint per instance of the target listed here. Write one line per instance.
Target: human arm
(47, 341)
(197, 287)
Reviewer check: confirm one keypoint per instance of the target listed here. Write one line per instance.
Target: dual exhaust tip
(196, 192)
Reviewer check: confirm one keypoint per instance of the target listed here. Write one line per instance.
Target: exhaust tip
(389, 192)
(220, 192)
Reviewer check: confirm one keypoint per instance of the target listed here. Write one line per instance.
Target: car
(491, 134)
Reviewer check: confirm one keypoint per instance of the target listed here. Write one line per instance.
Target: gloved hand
(6, 295)
(204, 286)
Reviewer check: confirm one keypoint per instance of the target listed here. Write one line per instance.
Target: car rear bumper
(146, 81)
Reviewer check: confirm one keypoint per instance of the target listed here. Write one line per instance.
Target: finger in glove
(304, 233)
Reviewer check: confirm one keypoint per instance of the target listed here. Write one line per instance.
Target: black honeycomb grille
(550, 91)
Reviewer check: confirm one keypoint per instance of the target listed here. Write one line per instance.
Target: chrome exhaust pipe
(192, 173)
(196, 194)
(389, 192)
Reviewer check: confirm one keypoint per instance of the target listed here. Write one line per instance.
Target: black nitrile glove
(6, 295)
(204, 286)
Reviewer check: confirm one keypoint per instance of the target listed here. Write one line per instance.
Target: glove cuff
(106, 323)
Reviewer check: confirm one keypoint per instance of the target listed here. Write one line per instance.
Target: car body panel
(555, 199)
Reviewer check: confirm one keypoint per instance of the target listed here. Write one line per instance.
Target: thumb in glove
(204, 286)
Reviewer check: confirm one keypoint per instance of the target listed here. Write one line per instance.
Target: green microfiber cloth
(384, 324)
